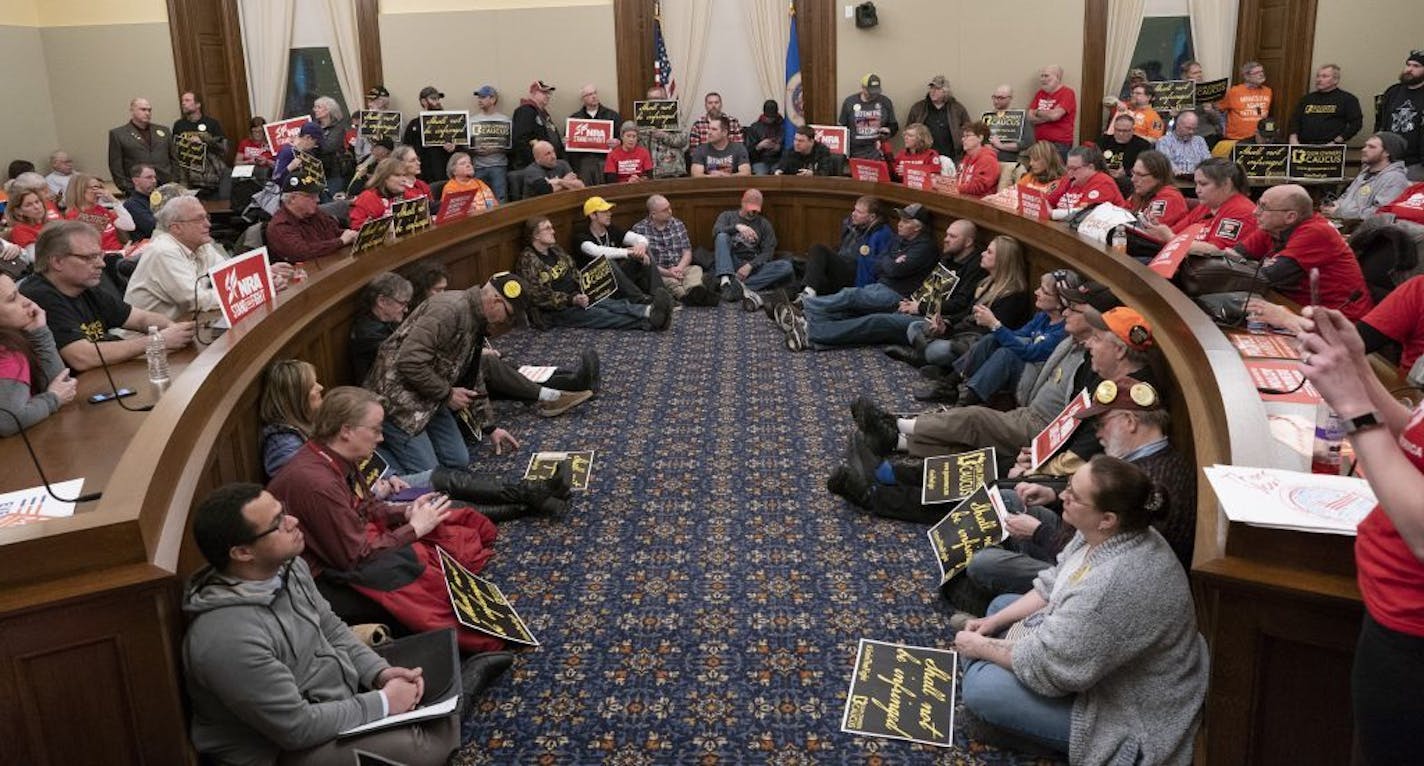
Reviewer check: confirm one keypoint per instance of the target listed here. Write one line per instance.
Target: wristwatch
(1361, 422)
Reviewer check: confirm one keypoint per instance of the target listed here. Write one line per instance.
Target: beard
(1408, 80)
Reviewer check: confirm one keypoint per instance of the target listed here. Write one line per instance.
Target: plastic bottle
(157, 354)
(1119, 240)
(1329, 432)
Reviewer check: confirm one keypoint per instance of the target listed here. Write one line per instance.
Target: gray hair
(332, 107)
(173, 208)
(655, 200)
(1248, 66)
(387, 284)
(1132, 358)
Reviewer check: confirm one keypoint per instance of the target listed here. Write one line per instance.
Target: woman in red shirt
(253, 150)
(86, 199)
(628, 161)
(390, 182)
(24, 217)
(1408, 206)
(1154, 196)
(411, 162)
(1389, 545)
(1087, 184)
(1226, 214)
(919, 150)
(979, 170)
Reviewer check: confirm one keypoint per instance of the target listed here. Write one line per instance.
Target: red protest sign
(1033, 203)
(833, 137)
(1284, 376)
(243, 285)
(588, 135)
(1170, 257)
(919, 175)
(869, 170)
(279, 134)
(1059, 430)
(454, 206)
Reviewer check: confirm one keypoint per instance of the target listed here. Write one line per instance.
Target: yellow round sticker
(865, 249)
(154, 199)
(511, 289)
(1143, 394)
(1106, 392)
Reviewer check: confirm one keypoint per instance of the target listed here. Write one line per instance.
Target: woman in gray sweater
(1107, 665)
(34, 383)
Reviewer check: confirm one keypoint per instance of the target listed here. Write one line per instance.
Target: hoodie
(270, 668)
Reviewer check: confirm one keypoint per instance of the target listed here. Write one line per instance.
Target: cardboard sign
(1263, 345)
(445, 127)
(373, 234)
(1058, 431)
(410, 216)
(597, 280)
(1317, 162)
(310, 171)
(834, 137)
(1211, 91)
(479, 604)
(490, 134)
(1033, 203)
(938, 286)
(543, 464)
(1174, 95)
(455, 206)
(1282, 375)
(970, 527)
(869, 170)
(658, 113)
(588, 135)
(379, 124)
(951, 478)
(280, 134)
(243, 285)
(1170, 257)
(190, 155)
(1263, 160)
(369, 471)
(919, 175)
(902, 692)
(1006, 125)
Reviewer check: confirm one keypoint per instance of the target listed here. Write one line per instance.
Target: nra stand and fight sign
(588, 135)
(243, 285)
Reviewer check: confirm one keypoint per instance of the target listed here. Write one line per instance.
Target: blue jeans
(440, 444)
(497, 178)
(838, 320)
(611, 314)
(1001, 700)
(991, 367)
(941, 352)
(869, 330)
(764, 277)
(762, 168)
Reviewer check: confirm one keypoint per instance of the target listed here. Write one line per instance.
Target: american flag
(662, 67)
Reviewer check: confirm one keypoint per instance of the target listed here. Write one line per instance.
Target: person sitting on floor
(556, 291)
(670, 249)
(744, 244)
(1104, 667)
(633, 269)
(864, 237)
(272, 673)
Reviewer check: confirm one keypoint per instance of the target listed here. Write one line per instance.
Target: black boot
(944, 391)
(844, 482)
(906, 354)
(880, 428)
(477, 672)
(588, 377)
(542, 496)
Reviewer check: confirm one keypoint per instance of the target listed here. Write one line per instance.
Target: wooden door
(1279, 34)
(208, 59)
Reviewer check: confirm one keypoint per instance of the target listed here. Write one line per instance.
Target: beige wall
(1369, 49)
(563, 44)
(971, 43)
(27, 132)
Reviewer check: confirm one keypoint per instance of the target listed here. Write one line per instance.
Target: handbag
(1225, 309)
(1202, 275)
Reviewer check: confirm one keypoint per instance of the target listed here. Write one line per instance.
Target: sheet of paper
(26, 506)
(438, 710)
(1307, 502)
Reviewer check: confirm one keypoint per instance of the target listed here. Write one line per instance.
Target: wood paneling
(633, 33)
(208, 59)
(816, 32)
(1271, 31)
(1095, 47)
(368, 39)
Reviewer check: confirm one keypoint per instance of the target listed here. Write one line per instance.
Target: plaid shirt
(665, 245)
(697, 136)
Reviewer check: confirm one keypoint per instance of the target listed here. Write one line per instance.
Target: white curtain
(687, 30)
(346, 54)
(1214, 36)
(1124, 25)
(266, 41)
(770, 25)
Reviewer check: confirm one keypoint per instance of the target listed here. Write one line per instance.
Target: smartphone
(107, 395)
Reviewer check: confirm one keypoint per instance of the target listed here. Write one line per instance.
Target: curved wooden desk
(107, 580)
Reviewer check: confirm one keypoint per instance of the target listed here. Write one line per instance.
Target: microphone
(114, 388)
(36, 460)
(197, 310)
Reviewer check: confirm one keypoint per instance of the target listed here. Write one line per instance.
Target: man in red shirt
(1293, 239)
(1087, 184)
(1054, 109)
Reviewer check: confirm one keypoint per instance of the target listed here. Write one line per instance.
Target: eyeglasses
(276, 525)
(90, 258)
(1140, 174)
(204, 218)
(1265, 209)
(397, 301)
(376, 429)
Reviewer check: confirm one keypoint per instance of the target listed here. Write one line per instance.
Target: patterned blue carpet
(701, 604)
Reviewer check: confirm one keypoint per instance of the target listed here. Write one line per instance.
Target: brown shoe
(567, 400)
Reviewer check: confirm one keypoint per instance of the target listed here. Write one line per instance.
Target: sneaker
(751, 301)
(732, 291)
(772, 300)
(798, 337)
(959, 620)
(567, 400)
(784, 316)
(843, 482)
(695, 296)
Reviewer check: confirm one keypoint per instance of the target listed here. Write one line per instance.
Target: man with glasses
(301, 230)
(69, 267)
(170, 276)
(273, 673)
(1246, 103)
(1008, 148)
(1182, 146)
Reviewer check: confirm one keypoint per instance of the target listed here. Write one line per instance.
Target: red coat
(979, 173)
(371, 204)
(1099, 188)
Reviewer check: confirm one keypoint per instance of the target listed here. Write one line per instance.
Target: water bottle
(1119, 240)
(157, 354)
(1329, 432)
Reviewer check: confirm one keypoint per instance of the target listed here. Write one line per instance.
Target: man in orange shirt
(1146, 122)
(1247, 102)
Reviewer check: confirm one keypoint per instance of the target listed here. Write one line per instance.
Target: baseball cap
(310, 130)
(1073, 290)
(1417, 56)
(871, 83)
(514, 290)
(540, 85)
(1128, 394)
(915, 211)
(487, 91)
(1127, 324)
(939, 81)
(295, 183)
(596, 205)
(378, 91)
(431, 91)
